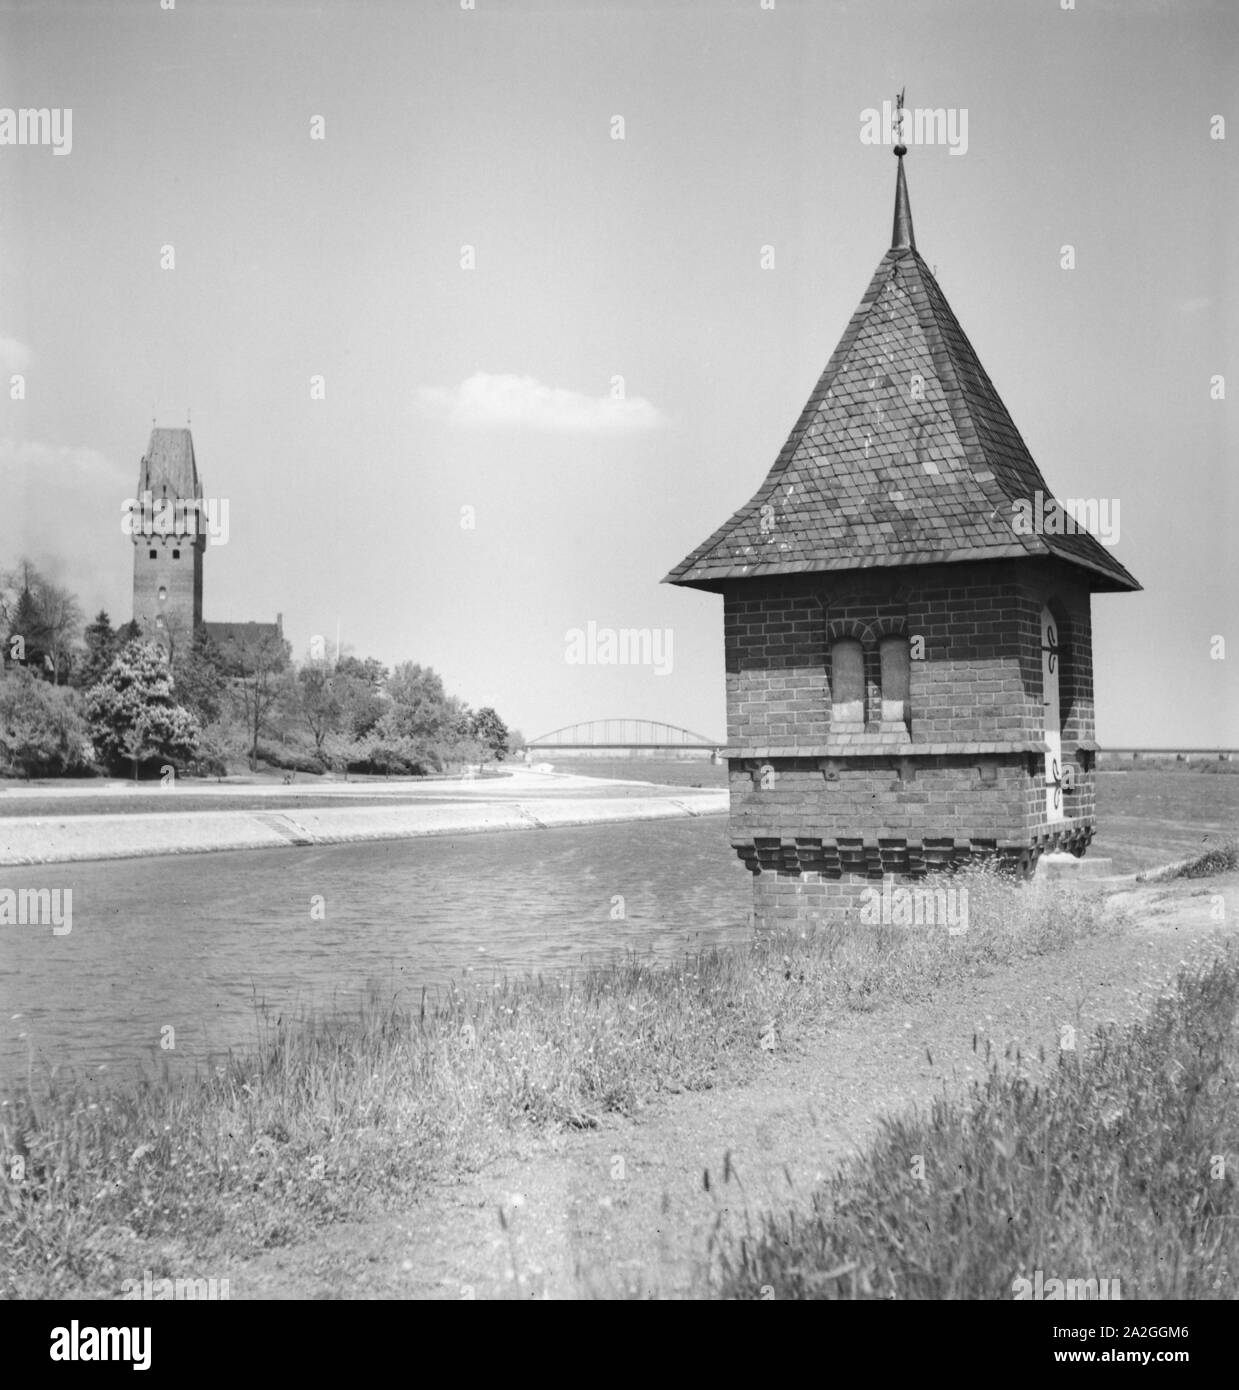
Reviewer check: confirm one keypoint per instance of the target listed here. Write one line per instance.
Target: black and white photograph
(614, 675)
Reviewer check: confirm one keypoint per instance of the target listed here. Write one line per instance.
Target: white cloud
(62, 508)
(486, 401)
(69, 467)
(14, 356)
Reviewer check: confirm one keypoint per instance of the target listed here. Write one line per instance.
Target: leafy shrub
(41, 732)
(290, 759)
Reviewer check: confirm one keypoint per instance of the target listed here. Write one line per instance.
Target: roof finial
(901, 237)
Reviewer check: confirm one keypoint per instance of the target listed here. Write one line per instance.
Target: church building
(907, 623)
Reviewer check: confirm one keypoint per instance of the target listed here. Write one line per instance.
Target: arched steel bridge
(622, 733)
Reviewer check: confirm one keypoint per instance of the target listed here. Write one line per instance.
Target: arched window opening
(847, 682)
(895, 659)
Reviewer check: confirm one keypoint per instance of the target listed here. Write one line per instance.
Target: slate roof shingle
(903, 455)
(169, 467)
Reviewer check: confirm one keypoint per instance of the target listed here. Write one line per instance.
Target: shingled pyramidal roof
(904, 454)
(169, 467)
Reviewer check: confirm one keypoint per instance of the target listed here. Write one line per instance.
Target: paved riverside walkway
(94, 824)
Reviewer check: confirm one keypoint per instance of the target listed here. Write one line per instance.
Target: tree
(101, 648)
(44, 616)
(490, 731)
(133, 715)
(386, 752)
(40, 729)
(27, 639)
(370, 670)
(13, 583)
(174, 633)
(420, 704)
(438, 725)
(342, 751)
(361, 706)
(221, 742)
(60, 619)
(197, 671)
(256, 663)
(422, 709)
(318, 701)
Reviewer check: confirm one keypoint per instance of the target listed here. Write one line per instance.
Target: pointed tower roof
(169, 468)
(904, 454)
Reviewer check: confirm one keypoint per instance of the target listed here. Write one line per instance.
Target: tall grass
(1221, 859)
(331, 1114)
(1123, 1168)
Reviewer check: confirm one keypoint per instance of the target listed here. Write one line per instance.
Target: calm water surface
(193, 941)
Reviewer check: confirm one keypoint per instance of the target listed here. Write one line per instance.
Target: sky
(472, 372)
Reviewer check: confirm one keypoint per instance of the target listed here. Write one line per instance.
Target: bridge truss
(622, 733)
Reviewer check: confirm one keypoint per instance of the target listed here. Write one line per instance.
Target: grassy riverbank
(334, 1116)
(1122, 1169)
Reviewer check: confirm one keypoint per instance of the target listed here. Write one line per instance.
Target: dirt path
(624, 1208)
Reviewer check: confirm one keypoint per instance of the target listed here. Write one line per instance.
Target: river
(199, 942)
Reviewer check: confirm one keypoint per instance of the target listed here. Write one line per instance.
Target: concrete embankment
(50, 840)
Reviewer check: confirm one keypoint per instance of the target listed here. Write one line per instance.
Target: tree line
(78, 698)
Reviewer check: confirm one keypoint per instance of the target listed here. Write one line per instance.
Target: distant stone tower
(168, 540)
(907, 623)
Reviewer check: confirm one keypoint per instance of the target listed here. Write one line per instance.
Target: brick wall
(982, 798)
(806, 799)
(775, 651)
(182, 578)
(803, 900)
(975, 681)
(979, 677)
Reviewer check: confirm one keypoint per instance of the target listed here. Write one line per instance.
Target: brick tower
(906, 622)
(168, 540)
